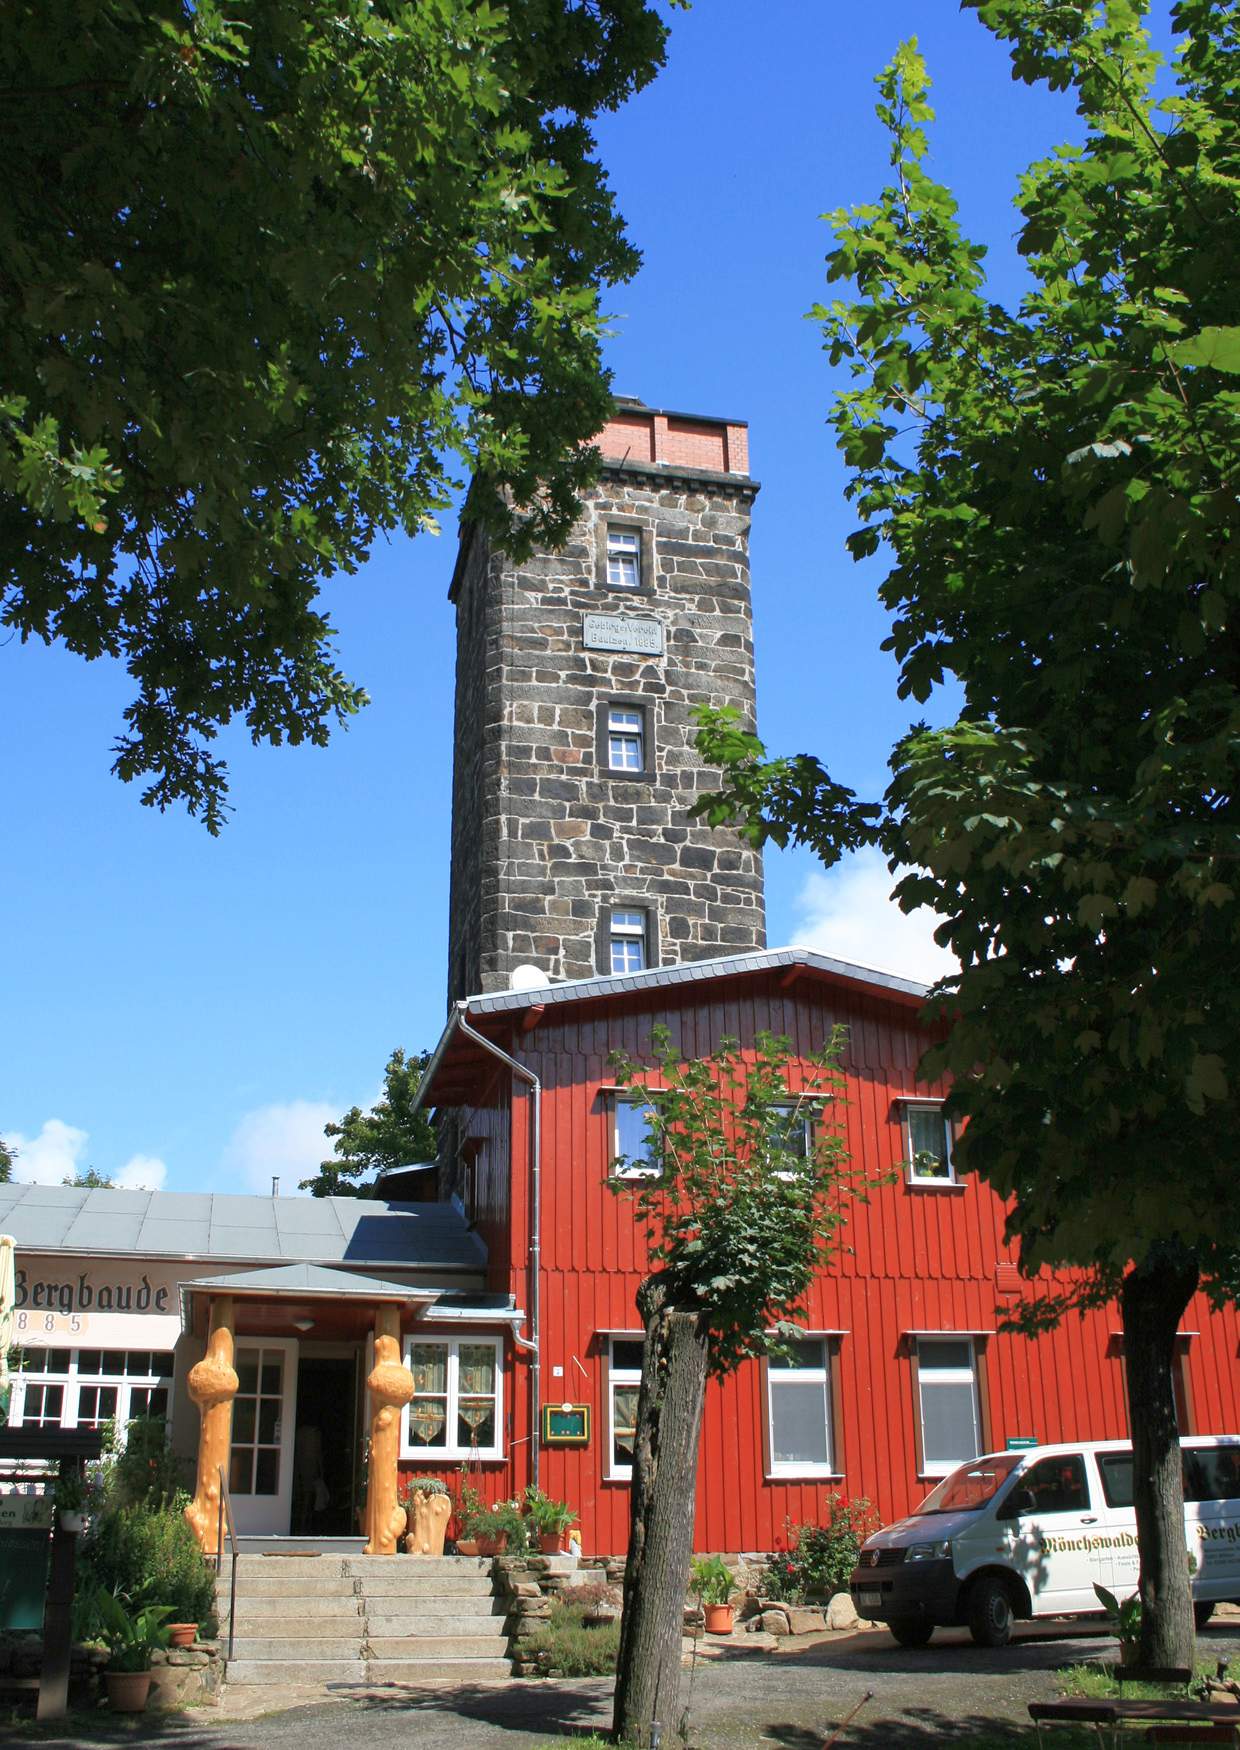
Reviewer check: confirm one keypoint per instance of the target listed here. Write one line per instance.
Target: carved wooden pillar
(391, 1387)
(213, 1386)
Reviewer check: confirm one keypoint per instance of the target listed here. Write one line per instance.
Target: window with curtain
(456, 1408)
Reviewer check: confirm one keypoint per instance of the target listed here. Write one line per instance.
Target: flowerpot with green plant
(711, 1582)
(497, 1529)
(131, 1637)
(1125, 1613)
(428, 1508)
(70, 1498)
(548, 1519)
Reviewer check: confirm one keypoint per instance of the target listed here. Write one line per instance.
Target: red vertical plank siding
(917, 1259)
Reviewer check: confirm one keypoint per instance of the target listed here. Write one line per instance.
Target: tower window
(626, 740)
(624, 558)
(627, 941)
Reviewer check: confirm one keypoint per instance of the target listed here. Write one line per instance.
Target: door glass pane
(267, 1471)
(240, 1469)
(949, 1421)
(268, 1421)
(272, 1377)
(247, 1371)
(243, 1421)
(798, 1422)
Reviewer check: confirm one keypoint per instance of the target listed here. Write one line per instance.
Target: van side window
(1211, 1473)
(1116, 1468)
(1058, 1485)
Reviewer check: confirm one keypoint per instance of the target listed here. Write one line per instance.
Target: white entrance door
(260, 1472)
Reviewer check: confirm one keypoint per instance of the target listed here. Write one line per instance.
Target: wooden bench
(1167, 1722)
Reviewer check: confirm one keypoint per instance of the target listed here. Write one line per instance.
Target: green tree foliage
(90, 1180)
(391, 1134)
(747, 1202)
(7, 1157)
(1056, 484)
(267, 265)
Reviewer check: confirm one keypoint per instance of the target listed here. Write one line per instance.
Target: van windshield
(972, 1485)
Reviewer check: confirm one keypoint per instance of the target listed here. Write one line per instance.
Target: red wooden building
(903, 1371)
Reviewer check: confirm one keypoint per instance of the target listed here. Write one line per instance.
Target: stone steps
(365, 1619)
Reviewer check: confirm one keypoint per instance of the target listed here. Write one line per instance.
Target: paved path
(741, 1700)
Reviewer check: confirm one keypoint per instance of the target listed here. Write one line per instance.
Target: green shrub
(147, 1554)
(570, 1647)
(142, 1469)
(821, 1557)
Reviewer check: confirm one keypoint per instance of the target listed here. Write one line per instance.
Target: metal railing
(226, 1518)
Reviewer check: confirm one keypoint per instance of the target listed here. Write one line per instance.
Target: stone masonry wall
(545, 839)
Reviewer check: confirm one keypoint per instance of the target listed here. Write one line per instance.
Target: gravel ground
(741, 1699)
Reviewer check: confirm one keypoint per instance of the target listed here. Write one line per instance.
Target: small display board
(25, 1512)
(1021, 1442)
(620, 632)
(566, 1425)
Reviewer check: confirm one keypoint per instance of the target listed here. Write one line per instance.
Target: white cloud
(848, 913)
(54, 1154)
(141, 1173)
(284, 1142)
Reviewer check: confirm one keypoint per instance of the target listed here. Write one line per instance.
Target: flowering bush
(821, 1557)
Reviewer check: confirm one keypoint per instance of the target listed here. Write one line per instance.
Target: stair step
(311, 1629)
(414, 1648)
(364, 1567)
(380, 1628)
(399, 1583)
(298, 1649)
(289, 1586)
(447, 1670)
(290, 1567)
(297, 1608)
(296, 1671)
(425, 1609)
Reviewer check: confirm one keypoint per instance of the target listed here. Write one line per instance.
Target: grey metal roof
(310, 1279)
(191, 1224)
(693, 972)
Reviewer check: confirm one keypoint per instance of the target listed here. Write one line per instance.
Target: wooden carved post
(391, 1387)
(213, 1386)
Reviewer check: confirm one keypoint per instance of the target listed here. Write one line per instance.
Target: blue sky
(189, 1011)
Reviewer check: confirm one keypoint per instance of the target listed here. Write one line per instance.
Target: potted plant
(1125, 1613)
(711, 1582)
(428, 1508)
(182, 1634)
(548, 1518)
(131, 1641)
(496, 1529)
(70, 1498)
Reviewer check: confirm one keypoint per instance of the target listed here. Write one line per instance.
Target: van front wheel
(990, 1613)
(1203, 1610)
(911, 1631)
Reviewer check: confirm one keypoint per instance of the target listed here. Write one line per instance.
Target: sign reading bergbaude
(138, 1294)
(619, 632)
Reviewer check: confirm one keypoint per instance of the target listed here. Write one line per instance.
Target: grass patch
(570, 1647)
(1094, 1681)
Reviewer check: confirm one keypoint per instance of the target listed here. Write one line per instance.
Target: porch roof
(299, 1284)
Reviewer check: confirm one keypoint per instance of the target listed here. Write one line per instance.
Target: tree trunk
(669, 1426)
(1154, 1296)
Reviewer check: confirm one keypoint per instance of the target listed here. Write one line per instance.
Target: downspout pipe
(530, 1343)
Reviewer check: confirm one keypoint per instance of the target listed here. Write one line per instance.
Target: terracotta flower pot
(551, 1543)
(718, 1619)
(182, 1634)
(127, 1690)
(467, 1546)
(492, 1546)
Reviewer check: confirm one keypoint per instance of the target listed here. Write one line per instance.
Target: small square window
(624, 558)
(626, 739)
(928, 1142)
(627, 941)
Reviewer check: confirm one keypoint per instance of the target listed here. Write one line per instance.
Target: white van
(1027, 1534)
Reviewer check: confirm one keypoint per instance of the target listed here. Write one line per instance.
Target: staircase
(311, 1619)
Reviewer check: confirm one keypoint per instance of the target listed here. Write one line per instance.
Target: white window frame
(452, 1450)
(618, 1376)
(807, 1108)
(73, 1380)
(615, 1098)
(943, 1467)
(935, 1181)
(624, 553)
(621, 934)
(626, 737)
(777, 1372)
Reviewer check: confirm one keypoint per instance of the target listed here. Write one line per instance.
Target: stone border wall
(178, 1674)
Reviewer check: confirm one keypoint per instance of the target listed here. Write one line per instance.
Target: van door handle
(1091, 1519)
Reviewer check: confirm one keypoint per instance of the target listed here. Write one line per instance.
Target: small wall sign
(566, 1424)
(620, 632)
(1021, 1442)
(25, 1512)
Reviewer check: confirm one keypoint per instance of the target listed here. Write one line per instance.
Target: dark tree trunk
(1154, 1296)
(665, 1457)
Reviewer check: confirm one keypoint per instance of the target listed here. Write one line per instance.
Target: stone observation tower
(573, 851)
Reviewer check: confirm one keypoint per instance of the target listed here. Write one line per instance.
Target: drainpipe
(529, 1343)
